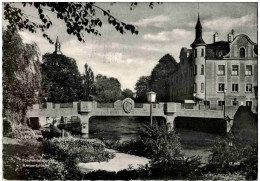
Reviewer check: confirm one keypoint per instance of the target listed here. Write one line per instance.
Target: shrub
(7, 128)
(71, 151)
(164, 148)
(229, 159)
(32, 168)
(233, 176)
(78, 149)
(23, 132)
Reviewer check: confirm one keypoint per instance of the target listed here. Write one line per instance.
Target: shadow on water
(121, 128)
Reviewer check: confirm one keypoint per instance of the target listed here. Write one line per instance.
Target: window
(202, 87)
(202, 69)
(248, 87)
(234, 70)
(234, 87)
(221, 103)
(195, 53)
(195, 69)
(221, 87)
(242, 53)
(248, 69)
(206, 103)
(195, 87)
(249, 103)
(221, 70)
(202, 52)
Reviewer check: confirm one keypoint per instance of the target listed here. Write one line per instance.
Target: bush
(164, 149)
(7, 129)
(33, 168)
(227, 158)
(71, 151)
(78, 149)
(23, 132)
(234, 176)
(150, 143)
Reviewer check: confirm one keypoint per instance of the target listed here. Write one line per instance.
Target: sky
(164, 29)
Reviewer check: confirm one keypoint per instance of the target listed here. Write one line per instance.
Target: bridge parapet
(172, 107)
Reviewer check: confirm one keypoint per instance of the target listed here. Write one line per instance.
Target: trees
(79, 18)
(161, 76)
(106, 89)
(21, 76)
(142, 87)
(61, 78)
(88, 81)
(127, 93)
(158, 81)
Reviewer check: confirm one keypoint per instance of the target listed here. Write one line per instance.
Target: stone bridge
(82, 111)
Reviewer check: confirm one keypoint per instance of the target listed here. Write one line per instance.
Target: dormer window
(242, 52)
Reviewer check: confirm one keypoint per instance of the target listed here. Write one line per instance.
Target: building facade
(223, 72)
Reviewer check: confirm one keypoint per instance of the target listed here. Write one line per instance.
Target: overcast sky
(164, 29)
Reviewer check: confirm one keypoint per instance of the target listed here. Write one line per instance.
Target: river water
(125, 128)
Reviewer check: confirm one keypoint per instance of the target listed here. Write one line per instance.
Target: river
(125, 128)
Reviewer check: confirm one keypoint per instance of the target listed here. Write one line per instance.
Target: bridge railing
(201, 106)
(66, 105)
(139, 105)
(188, 106)
(43, 106)
(105, 105)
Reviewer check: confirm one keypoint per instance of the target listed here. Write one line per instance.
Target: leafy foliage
(88, 81)
(142, 86)
(227, 158)
(164, 149)
(77, 149)
(33, 168)
(127, 93)
(160, 77)
(61, 78)
(106, 89)
(22, 132)
(233, 176)
(79, 18)
(7, 128)
(21, 76)
(71, 151)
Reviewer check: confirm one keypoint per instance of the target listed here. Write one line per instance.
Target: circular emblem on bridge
(128, 105)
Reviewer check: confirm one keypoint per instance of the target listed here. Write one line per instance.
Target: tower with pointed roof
(199, 51)
(57, 46)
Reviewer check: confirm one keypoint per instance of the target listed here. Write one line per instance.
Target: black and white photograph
(129, 90)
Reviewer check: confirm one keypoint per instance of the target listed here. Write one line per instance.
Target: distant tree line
(62, 82)
(158, 81)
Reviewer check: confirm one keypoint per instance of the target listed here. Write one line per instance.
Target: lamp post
(151, 96)
(194, 95)
(225, 102)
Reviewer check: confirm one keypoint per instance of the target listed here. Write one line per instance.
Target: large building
(223, 72)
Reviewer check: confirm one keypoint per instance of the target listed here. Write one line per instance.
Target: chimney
(215, 37)
(231, 36)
